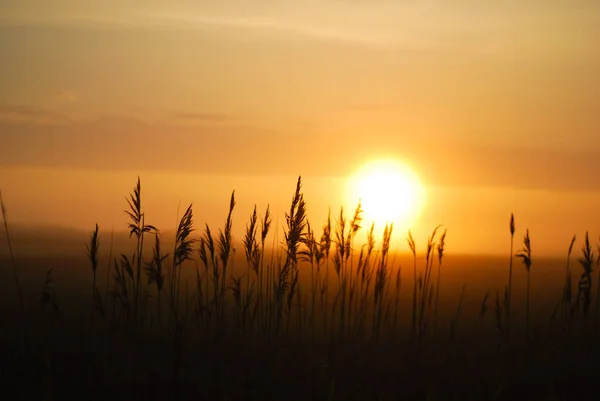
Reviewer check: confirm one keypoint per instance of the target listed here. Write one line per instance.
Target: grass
(10, 249)
(274, 331)
(525, 256)
(510, 275)
(93, 255)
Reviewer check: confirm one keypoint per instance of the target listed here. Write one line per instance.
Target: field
(307, 313)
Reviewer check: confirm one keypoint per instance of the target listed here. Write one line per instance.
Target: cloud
(109, 142)
(373, 25)
(271, 23)
(200, 118)
(18, 115)
(195, 22)
(425, 26)
(370, 107)
(66, 96)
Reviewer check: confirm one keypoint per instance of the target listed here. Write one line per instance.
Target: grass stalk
(10, 250)
(510, 274)
(110, 256)
(413, 249)
(525, 255)
(567, 291)
(440, 251)
(586, 261)
(93, 253)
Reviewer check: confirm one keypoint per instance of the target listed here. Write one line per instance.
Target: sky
(493, 104)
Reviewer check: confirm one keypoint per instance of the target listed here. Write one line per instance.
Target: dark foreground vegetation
(319, 317)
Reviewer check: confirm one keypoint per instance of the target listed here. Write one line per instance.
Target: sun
(390, 192)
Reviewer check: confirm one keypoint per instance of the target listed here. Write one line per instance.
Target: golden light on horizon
(390, 192)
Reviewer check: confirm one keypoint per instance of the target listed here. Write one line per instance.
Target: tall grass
(586, 261)
(155, 272)
(440, 250)
(269, 297)
(224, 249)
(365, 271)
(525, 255)
(413, 249)
(109, 267)
(268, 301)
(10, 250)
(137, 227)
(311, 255)
(381, 281)
(286, 280)
(510, 274)
(425, 286)
(264, 232)
(253, 255)
(48, 295)
(568, 287)
(355, 226)
(324, 250)
(598, 290)
(182, 252)
(93, 255)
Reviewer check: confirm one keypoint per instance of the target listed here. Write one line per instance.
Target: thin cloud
(66, 96)
(19, 115)
(415, 27)
(200, 118)
(324, 21)
(272, 24)
(398, 24)
(370, 107)
(187, 22)
(106, 143)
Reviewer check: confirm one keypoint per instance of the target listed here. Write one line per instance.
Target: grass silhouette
(272, 330)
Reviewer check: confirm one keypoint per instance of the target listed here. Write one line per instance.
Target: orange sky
(493, 104)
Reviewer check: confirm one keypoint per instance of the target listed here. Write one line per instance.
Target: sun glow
(390, 192)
